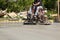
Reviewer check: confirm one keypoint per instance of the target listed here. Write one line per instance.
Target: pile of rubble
(2, 13)
(12, 15)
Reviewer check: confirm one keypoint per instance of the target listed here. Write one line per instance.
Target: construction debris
(2, 13)
(12, 15)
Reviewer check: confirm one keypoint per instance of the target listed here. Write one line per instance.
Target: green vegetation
(21, 5)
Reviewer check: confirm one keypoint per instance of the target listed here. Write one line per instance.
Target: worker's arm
(36, 4)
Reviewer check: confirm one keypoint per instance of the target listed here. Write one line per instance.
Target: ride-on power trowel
(40, 18)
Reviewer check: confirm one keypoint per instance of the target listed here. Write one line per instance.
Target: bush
(21, 5)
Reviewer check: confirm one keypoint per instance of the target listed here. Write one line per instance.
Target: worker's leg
(38, 9)
(30, 10)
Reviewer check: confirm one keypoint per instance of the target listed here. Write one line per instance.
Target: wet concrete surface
(18, 31)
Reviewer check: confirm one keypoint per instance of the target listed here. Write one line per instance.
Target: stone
(12, 15)
(5, 16)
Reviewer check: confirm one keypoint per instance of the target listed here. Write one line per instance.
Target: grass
(49, 13)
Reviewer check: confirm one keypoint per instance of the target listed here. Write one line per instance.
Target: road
(18, 31)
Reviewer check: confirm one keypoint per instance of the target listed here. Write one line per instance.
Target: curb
(12, 21)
